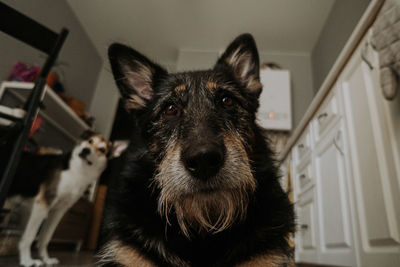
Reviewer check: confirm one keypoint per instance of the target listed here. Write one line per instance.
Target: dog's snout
(85, 152)
(204, 161)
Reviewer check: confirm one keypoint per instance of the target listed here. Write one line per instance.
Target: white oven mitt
(386, 40)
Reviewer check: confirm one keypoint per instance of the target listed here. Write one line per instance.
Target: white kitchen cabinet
(371, 125)
(336, 245)
(346, 173)
(325, 230)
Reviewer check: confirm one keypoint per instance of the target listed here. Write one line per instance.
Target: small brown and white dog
(56, 182)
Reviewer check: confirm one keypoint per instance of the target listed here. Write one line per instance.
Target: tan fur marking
(100, 142)
(48, 190)
(211, 86)
(269, 260)
(134, 102)
(254, 85)
(180, 88)
(127, 256)
(41, 196)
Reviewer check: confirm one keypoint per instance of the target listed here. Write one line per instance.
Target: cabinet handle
(364, 58)
(301, 146)
(304, 227)
(303, 176)
(322, 116)
(335, 142)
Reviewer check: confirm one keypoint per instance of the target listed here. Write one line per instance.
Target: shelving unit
(62, 129)
(56, 112)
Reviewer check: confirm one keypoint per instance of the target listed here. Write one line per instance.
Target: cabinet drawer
(304, 176)
(326, 114)
(306, 237)
(303, 146)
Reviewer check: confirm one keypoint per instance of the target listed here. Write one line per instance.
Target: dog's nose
(85, 152)
(204, 161)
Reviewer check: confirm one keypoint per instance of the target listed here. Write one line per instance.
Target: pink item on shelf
(22, 73)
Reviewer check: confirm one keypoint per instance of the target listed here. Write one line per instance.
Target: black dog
(199, 186)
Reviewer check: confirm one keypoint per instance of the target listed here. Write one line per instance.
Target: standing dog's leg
(38, 214)
(55, 215)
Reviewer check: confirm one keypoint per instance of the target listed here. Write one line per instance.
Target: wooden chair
(16, 134)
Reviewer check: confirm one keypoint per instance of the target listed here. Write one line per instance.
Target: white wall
(82, 60)
(105, 101)
(196, 60)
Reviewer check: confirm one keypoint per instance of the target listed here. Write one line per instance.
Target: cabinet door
(307, 234)
(375, 162)
(336, 246)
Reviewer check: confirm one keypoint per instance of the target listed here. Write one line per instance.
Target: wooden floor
(79, 259)
(70, 259)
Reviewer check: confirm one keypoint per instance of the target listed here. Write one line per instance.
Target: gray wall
(84, 63)
(339, 25)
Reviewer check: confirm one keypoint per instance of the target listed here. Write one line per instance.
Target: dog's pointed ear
(134, 74)
(117, 148)
(241, 57)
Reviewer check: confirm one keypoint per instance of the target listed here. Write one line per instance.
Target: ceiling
(159, 28)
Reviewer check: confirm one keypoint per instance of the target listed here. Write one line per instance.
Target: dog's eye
(171, 110)
(90, 141)
(102, 150)
(227, 101)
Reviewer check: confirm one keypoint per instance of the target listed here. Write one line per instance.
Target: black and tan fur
(199, 185)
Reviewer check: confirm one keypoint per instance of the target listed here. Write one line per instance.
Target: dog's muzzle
(84, 153)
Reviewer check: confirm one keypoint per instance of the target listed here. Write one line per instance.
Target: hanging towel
(386, 40)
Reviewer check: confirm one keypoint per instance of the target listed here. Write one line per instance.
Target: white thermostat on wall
(275, 111)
